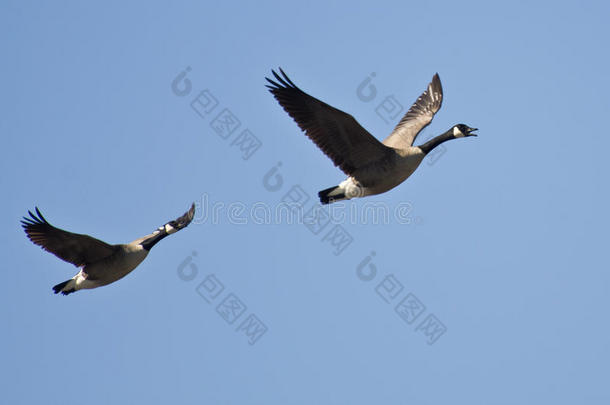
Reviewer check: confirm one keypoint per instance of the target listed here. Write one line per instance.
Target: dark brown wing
(74, 248)
(336, 133)
(418, 117)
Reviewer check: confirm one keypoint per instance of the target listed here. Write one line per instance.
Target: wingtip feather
(191, 212)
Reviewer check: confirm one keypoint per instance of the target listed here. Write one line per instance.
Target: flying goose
(372, 167)
(99, 262)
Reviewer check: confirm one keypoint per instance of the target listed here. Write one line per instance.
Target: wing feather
(335, 132)
(74, 248)
(418, 117)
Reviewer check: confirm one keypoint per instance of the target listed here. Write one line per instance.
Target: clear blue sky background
(506, 245)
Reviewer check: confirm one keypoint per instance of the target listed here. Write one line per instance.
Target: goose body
(107, 270)
(100, 263)
(378, 177)
(373, 167)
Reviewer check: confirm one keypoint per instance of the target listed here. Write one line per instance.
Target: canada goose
(372, 167)
(100, 262)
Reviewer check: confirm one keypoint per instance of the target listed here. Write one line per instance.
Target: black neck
(434, 142)
(153, 240)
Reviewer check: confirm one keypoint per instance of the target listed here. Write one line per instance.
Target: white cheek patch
(457, 133)
(170, 229)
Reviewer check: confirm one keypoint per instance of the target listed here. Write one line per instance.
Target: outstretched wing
(74, 248)
(336, 133)
(418, 117)
(168, 228)
(184, 220)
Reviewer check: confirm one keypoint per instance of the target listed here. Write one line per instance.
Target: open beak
(470, 130)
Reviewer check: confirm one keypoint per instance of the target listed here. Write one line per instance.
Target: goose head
(462, 131)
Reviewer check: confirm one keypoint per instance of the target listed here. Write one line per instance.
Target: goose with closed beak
(100, 263)
(372, 167)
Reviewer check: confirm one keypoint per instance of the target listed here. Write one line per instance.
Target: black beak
(470, 130)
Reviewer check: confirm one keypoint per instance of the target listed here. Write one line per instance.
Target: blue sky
(500, 243)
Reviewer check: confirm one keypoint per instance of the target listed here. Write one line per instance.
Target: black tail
(57, 289)
(326, 199)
